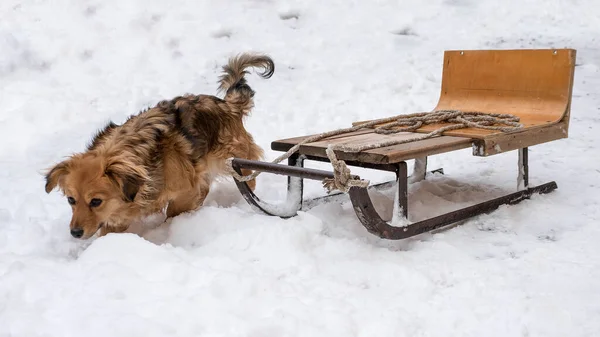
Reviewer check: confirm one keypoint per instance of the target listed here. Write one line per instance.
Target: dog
(164, 157)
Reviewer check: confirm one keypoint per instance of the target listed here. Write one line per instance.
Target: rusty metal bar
(402, 178)
(293, 171)
(294, 196)
(380, 167)
(524, 165)
(369, 217)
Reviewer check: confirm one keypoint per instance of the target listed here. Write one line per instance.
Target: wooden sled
(535, 85)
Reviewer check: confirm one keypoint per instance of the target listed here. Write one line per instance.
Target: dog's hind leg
(252, 152)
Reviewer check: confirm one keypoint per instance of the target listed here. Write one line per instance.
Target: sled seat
(534, 85)
(384, 155)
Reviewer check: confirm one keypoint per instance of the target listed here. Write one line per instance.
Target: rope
(343, 179)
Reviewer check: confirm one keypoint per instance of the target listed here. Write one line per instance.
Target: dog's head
(100, 190)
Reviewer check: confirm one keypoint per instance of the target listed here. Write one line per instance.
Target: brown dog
(166, 156)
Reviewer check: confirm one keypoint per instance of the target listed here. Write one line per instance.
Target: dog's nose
(77, 232)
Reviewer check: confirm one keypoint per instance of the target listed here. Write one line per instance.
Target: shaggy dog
(166, 156)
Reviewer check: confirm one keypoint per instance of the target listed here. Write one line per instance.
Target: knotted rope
(343, 179)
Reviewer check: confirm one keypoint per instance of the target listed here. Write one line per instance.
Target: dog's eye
(71, 200)
(95, 202)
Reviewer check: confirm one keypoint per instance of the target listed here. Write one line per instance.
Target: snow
(67, 67)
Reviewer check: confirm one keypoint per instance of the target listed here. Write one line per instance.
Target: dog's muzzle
(77, 233)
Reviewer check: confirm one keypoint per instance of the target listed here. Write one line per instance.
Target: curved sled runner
(534, 85)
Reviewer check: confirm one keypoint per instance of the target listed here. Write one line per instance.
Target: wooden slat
(367, 139)
(508, 142)
(385, 155)
(417, 149)
(286, 143)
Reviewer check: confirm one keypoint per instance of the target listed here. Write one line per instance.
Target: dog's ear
(127, 177)
(55, 174)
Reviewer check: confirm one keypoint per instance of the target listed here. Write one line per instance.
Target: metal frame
(362, 203)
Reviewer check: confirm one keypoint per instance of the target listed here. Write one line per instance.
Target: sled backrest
(534, 84)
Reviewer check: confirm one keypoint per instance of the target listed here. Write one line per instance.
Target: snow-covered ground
(66, 67)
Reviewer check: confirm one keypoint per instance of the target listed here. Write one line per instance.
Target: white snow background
(67, 67)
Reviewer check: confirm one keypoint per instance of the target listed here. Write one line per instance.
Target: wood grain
(503, 143)
(384, 155)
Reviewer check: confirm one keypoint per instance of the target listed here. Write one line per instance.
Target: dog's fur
(166, 155)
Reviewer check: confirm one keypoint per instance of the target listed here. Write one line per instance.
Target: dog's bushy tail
(232, 81)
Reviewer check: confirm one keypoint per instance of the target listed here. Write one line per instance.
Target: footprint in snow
(86, 55)
(405, 31)
(289, 15)
(221, 33)
(90, 11)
